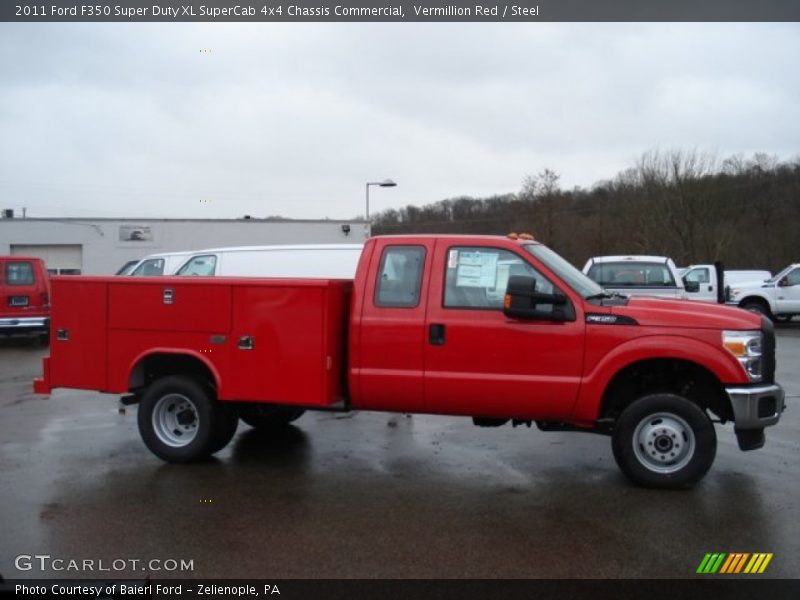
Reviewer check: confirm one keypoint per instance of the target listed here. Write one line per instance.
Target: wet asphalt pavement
(375, 495)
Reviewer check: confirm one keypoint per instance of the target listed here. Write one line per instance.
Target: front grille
(768, 356)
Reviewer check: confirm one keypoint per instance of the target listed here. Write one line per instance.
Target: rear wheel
(180, 421)
(664, 441)
(268, 416)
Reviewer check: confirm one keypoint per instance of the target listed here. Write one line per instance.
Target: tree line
(687, 205)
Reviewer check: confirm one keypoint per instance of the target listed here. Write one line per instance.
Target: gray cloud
(292, 119)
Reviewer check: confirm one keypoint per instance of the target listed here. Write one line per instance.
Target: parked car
(636, 275)
(24, 296)
(334, 261)
(702, 282)
(155, 265)
(777, 298)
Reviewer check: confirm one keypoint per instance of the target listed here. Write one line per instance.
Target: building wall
(106, 244)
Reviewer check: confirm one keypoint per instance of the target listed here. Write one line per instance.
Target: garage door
(60, 259)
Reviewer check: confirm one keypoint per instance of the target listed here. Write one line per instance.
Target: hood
(665, 312)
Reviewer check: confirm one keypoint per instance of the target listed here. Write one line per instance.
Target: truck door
(480, 363)
(787, 294)
(705, 277)
(391, 336)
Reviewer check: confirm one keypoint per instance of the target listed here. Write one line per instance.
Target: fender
(713, 358)
(177, 351)
(758, 295)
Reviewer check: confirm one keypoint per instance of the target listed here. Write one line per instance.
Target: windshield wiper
(604, 294)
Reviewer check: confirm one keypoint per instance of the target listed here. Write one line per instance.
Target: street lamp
(384, 183)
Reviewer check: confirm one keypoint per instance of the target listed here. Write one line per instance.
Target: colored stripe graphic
(734, 563)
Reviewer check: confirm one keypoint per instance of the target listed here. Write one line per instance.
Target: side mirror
(521, 301)
(692, 286)
(783, 282)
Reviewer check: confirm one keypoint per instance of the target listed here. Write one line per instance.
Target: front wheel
(756, 307)
(664, 441)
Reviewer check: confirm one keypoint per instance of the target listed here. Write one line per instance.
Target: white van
(328, 261)
(154, 265)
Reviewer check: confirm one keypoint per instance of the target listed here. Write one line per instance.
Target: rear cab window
(19, 273)
(399, 277)
(632, 274)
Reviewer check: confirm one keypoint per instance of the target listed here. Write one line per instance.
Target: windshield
(780, 275)
(579, 282)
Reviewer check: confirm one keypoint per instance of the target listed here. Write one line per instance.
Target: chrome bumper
(22, 323)
(756, 407)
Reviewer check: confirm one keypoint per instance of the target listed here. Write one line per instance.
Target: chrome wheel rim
(663, 443)
(175, 420)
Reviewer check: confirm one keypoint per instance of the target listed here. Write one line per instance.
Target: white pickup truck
(777, 298)
(702, 282)
(637, 275)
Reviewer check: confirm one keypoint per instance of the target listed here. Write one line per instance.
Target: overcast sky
(292, 119)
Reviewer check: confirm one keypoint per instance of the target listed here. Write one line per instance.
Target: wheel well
(680, 377)
(156, 366)
(754, 300)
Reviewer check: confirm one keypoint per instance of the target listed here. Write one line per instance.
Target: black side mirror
(784, 282)
(692, 286)
(521, 301)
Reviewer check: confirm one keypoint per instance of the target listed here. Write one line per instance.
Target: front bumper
(756, 407)
(24, 323)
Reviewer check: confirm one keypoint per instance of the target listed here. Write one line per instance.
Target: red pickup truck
(499, 329)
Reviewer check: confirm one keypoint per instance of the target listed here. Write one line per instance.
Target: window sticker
(476, 269)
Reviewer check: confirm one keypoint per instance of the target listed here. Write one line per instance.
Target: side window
(793, 278)
(478, 277)
(19, 273)
(699, 275)
(149, 268)
(399, 277)
(202, 266)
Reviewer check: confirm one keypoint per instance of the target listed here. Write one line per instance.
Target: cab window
(478, 277)
(793, 278)
(399, 277)
(202, 266)
(698, 275)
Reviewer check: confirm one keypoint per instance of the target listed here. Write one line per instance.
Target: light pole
(384, 183)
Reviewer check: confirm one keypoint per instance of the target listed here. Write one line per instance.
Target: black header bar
(243, 11)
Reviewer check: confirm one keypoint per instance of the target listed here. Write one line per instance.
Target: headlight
(746, 346)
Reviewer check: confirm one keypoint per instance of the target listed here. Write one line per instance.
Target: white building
(101, 246)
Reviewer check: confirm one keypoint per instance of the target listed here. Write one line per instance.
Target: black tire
(226, 421)
(757, 307)
(268, 416)
(177, 417)
(664, 441)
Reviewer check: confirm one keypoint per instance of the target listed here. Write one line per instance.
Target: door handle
(436, 334)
